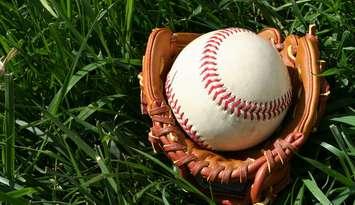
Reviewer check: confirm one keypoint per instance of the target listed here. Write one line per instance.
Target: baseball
(229, 89)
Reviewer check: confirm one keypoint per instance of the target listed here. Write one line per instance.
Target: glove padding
(242, 177)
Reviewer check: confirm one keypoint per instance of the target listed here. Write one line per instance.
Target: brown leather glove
(250, 176)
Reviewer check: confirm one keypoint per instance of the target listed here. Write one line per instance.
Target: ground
(72, 130)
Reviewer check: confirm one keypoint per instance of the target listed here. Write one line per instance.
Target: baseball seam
(222, 96)
(180, 116)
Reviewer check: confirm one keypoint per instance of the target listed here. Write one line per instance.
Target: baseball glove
(255, 175)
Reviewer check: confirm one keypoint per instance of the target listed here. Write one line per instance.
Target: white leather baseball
(229, 89)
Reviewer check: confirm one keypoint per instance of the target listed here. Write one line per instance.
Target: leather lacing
(166, 136)
(164, 125)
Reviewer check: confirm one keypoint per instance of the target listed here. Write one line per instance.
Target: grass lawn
(72, 130)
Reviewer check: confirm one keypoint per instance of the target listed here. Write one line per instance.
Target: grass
(73, 133)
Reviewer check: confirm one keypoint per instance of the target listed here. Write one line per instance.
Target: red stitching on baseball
(174, 103)
(185, 122)
(228, 101)
(178, 109)
(225, 33)
(218, 93)
(214, 41)
(204, 63)
(209, 81)
(240, 108)
(211, 46)
(250, 110)
(208, 57)
(214, 87)
(217, 38)
(231, 30)
(246, 109)
(207, 50)
(225, 97)
(221, 35)
(180, 116)
(235, 104)
(208, 69)
(209, 75)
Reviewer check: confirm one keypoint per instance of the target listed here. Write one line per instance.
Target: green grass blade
(298, 13)
(105, 170)
(53, 106)
(73, 136)
(184, 183)
(55, 156)
(317, 193)
(33, 129)
(129, 14)
(74, 163)
(85, 124)
(4, 197)
(97, 108)
(339, 137)
(69, 9)
(328, 171)
(269, 14)
(344, 37)
(299, 197)
(28, 191)
(350, 120)
(55, 103)
(93, 107)
(128, 26)
(5, 182)
(287, 5)
(340, 154)
(164, 197)
(4, 44)
(138, 195)
(9, 128)
(48, 7)
(93, 180)
(350, 145)
(84, 147)
(342, 196)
